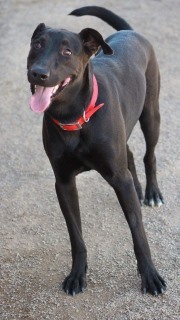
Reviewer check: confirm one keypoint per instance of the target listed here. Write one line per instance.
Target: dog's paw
(153, 197)
(74, 284)
(152, 283)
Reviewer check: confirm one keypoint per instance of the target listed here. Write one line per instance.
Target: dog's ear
(41, 27)
(92, 40)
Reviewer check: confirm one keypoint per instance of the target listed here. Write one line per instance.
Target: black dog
(84, 128)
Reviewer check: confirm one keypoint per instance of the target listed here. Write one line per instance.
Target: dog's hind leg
(132, 169)
(150, 123)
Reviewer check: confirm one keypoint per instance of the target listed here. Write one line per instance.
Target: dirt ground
(35, 249)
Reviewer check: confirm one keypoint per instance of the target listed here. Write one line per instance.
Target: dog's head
(57, 61)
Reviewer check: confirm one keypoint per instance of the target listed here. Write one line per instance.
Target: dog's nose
(39, 73)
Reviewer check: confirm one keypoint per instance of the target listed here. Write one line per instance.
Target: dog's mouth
(43, 96)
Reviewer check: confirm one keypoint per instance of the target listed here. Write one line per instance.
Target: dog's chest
(71, 147)
(80, 150)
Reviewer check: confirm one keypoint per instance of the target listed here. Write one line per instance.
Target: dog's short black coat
(128, 79)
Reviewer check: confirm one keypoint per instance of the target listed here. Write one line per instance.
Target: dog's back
(131, 52)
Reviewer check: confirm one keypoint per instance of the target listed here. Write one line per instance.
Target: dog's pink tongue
(41, 99)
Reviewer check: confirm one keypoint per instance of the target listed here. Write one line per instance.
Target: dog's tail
(106, 15)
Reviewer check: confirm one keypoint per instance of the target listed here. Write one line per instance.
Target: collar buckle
(67, 126)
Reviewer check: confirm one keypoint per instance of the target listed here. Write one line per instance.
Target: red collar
(90, 110)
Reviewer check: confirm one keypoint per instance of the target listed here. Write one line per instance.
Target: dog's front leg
(124, 188)
(68, 200)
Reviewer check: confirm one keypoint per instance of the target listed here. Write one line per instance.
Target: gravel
(35, 248)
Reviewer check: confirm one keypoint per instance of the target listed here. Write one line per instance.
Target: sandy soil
(35, 249)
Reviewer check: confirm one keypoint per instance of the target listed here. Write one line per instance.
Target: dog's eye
(66, 52)
(37, 45)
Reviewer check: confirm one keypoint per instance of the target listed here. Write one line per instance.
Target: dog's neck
(76, 100)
